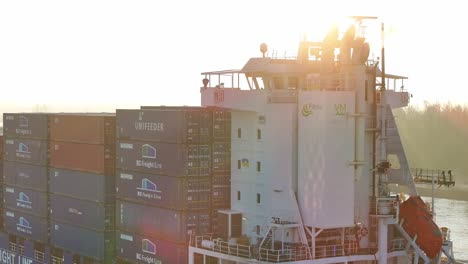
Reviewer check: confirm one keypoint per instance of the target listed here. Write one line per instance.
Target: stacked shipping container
(25, 176)
(82, 189)
(1, 179)
(221, 168)
(164, 181)
(60, 183)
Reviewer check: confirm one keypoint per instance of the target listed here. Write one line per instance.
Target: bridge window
(258, 198)
(238, 195)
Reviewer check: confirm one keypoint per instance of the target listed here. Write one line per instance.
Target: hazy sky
(107, 54)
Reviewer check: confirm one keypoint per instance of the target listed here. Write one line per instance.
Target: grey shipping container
(82, 185)
(96, 216)
(143, 249)
(165, 124)
(171, 225)
(163, 191)
(25, 175)
(164, 158)
(26, 200)
(26, 125)
(26, 150)
(98, 245)
(26, 225)
(1, 147)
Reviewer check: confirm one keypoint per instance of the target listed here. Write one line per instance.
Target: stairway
(267, 241)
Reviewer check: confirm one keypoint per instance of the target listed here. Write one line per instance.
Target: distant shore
(454, 193)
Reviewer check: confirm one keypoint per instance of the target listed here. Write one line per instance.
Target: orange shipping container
(92, 158)
(83, 128)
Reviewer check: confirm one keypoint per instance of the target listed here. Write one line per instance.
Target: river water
(454, 215)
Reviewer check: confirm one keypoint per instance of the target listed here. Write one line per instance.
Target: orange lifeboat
(418, 221)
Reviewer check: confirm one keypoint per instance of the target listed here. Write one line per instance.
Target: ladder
(267, 241)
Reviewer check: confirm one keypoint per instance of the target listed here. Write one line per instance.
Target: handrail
(441, 177)
(290, 253)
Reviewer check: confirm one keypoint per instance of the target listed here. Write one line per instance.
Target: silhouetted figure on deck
(444, 179)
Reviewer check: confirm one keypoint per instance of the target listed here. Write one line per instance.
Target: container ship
(292, 168)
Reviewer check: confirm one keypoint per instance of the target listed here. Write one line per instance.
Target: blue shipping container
(163, 191)
(32, 253)
(26, 150)
(25, 200)
(25, 175)
(86, 242)
(171, 225)
(164, 158)
(144, 249)
(92, 215)
(26, 225)
(26, 125)
(82, 185)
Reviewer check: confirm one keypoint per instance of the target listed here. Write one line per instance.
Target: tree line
(435, 136)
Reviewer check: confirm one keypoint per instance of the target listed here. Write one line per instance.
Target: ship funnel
(361, 54)
(346, 44)
(330, 42)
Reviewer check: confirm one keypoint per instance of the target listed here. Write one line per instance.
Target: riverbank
(459, 192)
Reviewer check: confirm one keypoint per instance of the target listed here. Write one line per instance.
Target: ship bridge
(314, 143)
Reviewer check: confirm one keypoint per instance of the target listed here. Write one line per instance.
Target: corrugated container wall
(98, 245)
(29, 151)
(83, 157)
(161, 124)
(25, 125)
(1, 147)
(163, 191)
(168, 159)
(144, 249)
(26, 225)
(221, 125)
(82, 185)
(26, 200)
(171, 225)
(83, 128)
(83, 213)
(1, 180)
(30, 253)
(25, 175)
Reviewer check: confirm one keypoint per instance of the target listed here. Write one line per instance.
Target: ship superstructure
(314, 145)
